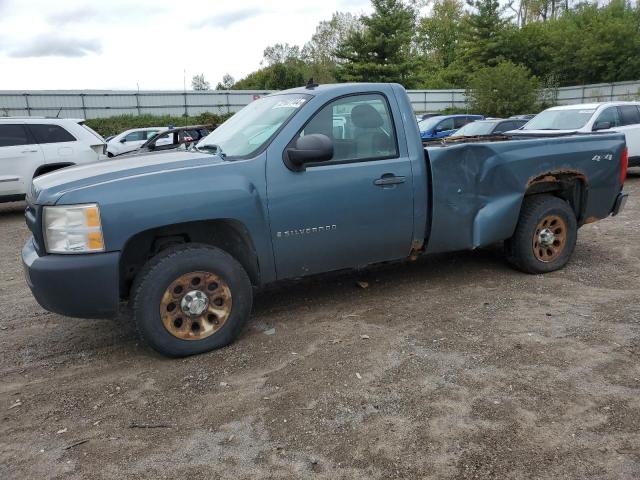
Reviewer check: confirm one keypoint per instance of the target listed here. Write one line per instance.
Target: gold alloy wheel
(549, 238)
(195, 305)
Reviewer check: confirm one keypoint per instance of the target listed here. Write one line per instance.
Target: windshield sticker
(295, 103)
(586, 111)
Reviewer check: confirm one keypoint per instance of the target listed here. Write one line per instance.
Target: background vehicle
(444, 125)
(424, 116)
(130, 140)
(488, 127)
(623, 117)
(33, 146)
(174, 138)
(526, 116)
(274, 194)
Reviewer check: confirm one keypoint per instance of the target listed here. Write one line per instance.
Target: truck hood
(47, 189)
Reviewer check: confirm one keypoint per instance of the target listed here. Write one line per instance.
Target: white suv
(33, 146)
(130, 140)
(623, 117)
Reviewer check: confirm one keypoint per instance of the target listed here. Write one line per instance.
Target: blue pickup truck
(304, 181)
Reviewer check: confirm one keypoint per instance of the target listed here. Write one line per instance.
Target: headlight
(73, 229)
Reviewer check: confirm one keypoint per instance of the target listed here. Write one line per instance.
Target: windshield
(252, 127)
(429, 123)
(560, 119)
(475, 128)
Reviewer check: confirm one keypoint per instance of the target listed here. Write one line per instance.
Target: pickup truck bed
(477, 187)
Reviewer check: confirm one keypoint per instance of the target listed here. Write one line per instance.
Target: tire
(167, 281)
(539, 247)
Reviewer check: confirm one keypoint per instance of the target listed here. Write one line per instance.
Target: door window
(629, 115)
(51, 134)
(136, 136)
(445, 125)
(460, 122)
(11, 135)
(609, 115)
(360, 126)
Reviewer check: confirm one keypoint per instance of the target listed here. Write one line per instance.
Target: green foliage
(482, 34)
(561, 42)
(115, 125)
(504, 90)
(382, 50)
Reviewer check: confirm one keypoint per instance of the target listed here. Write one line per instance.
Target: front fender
(228, 190)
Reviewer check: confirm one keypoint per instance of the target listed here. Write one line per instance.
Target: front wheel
(545, 236)
(191, 299)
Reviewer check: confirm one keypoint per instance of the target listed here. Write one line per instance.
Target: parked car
(271, 194)
(174, 138)
(442, 126)
(488, 127)
(130, 140)
(623, 117)
(32, 146)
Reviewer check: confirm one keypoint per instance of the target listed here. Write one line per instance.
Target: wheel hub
(546, 237)
(194, 303)
(550, 238)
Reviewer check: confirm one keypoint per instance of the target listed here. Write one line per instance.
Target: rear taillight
(624, 164)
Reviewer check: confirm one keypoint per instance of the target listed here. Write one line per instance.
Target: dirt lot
(454, 366)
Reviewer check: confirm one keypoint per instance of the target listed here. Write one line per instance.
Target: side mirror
(312, 148)
(123, 140)
(601, 126)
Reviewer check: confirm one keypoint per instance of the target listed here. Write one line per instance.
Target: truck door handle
(388, 179)
(29, 151)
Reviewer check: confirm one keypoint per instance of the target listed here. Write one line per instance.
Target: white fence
(107, 103)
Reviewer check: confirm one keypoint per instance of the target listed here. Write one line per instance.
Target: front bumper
(83, 285)
(621, 201)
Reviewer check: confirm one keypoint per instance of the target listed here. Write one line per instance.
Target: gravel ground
(454, 366)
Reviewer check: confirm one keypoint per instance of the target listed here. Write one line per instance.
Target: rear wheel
(191, 299)
(545, 236)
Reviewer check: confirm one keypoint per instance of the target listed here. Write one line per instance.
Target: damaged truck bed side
(305, 181)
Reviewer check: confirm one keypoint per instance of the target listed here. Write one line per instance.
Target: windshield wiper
(213, 148)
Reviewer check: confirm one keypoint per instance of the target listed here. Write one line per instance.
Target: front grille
(33, 217)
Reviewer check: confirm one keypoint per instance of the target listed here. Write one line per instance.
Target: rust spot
(443, 142)
(557, 176)
(416, 249)
(591, 220)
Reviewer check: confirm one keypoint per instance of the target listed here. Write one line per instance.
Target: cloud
(226, 19)
(51, 45)
(65, 17)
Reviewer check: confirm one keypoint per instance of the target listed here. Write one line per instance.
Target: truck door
(353, 210)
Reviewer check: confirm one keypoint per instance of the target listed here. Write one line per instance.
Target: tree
(198, 82)
(280, 53)
(483, 34)
(284, 69)
(504, 90)
(227, 82)
(439, 33)
(382, 50)
(320, 52)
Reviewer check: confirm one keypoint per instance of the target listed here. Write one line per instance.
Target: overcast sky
(114, 44)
